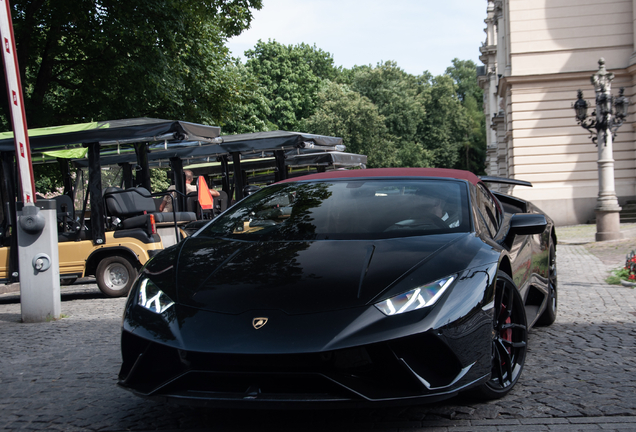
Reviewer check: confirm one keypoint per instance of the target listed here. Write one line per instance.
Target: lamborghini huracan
(363, 287)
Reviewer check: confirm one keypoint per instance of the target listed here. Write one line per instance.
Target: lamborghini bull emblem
(259, 322)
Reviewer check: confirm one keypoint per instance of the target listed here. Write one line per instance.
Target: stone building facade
(536, 55)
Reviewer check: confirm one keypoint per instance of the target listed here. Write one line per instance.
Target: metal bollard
(39, 263)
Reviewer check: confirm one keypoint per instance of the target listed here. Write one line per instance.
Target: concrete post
(39, 263)
(607, 208)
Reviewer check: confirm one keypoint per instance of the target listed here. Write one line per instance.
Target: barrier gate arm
(16, 102)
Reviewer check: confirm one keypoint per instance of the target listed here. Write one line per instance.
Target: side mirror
(527, 224)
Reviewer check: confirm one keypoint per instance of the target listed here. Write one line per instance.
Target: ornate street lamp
(609, 115)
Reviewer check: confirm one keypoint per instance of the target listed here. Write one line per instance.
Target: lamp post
(609, 115)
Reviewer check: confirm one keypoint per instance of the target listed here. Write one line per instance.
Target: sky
(419, 35)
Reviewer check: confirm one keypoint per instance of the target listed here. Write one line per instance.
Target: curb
(10, 289)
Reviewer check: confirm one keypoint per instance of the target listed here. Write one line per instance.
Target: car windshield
(347, 209)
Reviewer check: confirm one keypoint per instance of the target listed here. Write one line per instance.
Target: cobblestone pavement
(578, 376)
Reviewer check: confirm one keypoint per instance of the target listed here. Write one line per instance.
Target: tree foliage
(290, 77)
(345, 113)
(401, 101)
(446, 122)
(48, 179)
(105, 59)
(252, 112)
(159, 180)
(423, 113)
(473, 150)
(397, 96)
(428, 120)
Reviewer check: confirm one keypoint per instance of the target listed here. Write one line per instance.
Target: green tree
(159, 180)
(423, 113)
(345, 113)
(103, 59)
(252, 112)
(473, 150)
(445, 126)
(290, 78)
(48, 179)
(464, 75)
(401, 100)
(427, 118)
(397, 96)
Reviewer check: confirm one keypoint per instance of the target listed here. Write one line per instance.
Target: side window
(481, 222)
(488, 209)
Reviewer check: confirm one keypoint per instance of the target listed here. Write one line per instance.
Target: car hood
(299, 277)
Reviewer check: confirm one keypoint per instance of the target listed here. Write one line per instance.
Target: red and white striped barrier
(16, 102)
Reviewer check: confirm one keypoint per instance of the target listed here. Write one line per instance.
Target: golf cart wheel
(115, 276)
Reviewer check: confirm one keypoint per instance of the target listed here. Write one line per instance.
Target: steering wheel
(435, 220)
(426, 219)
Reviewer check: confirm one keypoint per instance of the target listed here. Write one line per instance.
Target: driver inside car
(436, 206)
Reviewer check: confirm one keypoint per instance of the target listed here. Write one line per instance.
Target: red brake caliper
(507, 333)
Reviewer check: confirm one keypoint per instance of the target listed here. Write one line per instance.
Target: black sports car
(348, 287)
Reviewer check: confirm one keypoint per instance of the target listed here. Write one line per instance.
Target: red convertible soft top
(392, 172)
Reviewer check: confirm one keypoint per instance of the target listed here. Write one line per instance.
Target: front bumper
(423, 367)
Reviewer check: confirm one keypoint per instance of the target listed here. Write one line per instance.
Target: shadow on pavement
(68, 293)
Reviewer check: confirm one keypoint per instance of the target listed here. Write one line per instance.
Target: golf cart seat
(133, 205)
(180, 217)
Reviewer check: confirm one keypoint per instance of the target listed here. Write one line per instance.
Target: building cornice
(488, 49)
(506, 81)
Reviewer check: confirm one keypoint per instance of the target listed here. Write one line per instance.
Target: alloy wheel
(510, 336)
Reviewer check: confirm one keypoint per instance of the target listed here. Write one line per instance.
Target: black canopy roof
(114, 132)
(178, 138)
(260, 141)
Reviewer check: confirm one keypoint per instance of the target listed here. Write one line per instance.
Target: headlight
(416, 298)
(152, 298)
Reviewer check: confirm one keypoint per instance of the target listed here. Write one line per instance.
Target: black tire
(509, 342)
(549, 314)
(115, 276)
(67, 281)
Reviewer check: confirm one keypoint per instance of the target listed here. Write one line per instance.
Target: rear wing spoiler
(504, 180)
